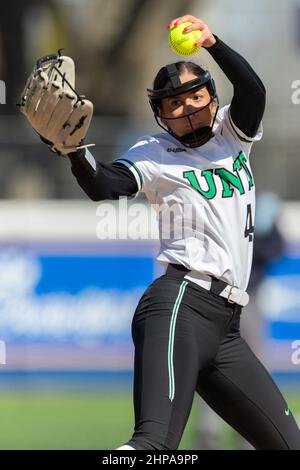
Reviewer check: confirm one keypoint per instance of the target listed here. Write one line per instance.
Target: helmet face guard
(197, 136)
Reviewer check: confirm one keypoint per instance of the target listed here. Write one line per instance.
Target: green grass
(81, 420)
(64, 420)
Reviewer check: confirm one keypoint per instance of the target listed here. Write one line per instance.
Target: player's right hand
(207, 38)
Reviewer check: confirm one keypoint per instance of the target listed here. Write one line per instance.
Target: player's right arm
(249, 99)
(102, 181)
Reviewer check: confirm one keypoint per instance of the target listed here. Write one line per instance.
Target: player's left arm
(102, 180)
(248, 102)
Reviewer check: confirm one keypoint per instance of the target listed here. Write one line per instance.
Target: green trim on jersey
(235, 129)
(136, 169)
(193, 180)
(171, 340)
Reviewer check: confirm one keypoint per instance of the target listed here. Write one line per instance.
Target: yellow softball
(184, 43)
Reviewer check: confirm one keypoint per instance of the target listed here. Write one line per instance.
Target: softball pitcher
(186, 327)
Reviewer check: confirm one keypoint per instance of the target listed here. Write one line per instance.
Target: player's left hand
(207, 38)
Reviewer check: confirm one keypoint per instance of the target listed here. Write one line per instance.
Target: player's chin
(197, 125)
(192, 127)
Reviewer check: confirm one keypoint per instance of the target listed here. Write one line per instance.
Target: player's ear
(159, 112)
(213, 106)
(164, 121)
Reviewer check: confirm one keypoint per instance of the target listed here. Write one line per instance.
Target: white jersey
(216, 181)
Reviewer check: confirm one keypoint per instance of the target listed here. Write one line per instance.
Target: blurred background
(66, 296)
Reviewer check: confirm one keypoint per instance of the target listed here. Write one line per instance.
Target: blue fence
(66, 296)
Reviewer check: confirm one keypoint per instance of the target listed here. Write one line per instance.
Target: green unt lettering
(230, 180)
(193, 180)
(240, 164)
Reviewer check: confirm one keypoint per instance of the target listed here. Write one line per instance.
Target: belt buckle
(230, 292)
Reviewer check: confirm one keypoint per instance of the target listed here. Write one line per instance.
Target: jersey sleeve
(226, 126)
(143, 160)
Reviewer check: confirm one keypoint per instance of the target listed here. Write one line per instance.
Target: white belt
(231, 293)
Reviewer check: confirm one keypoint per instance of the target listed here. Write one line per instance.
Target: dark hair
(162, 77)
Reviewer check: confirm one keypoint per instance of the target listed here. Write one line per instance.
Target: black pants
(188, 339)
